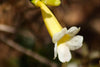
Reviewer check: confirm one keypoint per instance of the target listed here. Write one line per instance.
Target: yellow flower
(64, 40)
(52, 2)
(48, 2)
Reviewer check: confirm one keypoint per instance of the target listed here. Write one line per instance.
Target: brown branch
(7, 28)
(28, 52)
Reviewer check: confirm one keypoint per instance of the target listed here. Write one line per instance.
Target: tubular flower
(64, 40)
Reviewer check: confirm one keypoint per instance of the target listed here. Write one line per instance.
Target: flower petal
(55, 50)
(75, 42)
(73, 31)
(59, 35)
(64, 54)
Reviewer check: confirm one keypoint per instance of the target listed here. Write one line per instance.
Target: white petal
(55, 50)
(75, 42)
(59, 35)
(64, 54)
(73, 31)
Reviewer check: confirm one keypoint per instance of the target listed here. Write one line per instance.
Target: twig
(28, 52)
(6, 28)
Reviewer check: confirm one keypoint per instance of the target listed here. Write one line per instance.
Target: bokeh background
(25, 42)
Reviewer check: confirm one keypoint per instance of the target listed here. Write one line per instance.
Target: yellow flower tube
(49, 19)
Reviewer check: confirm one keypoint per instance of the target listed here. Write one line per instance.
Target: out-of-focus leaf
(25, 38)
(13, 62)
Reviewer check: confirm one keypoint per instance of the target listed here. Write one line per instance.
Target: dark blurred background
(25, 42)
